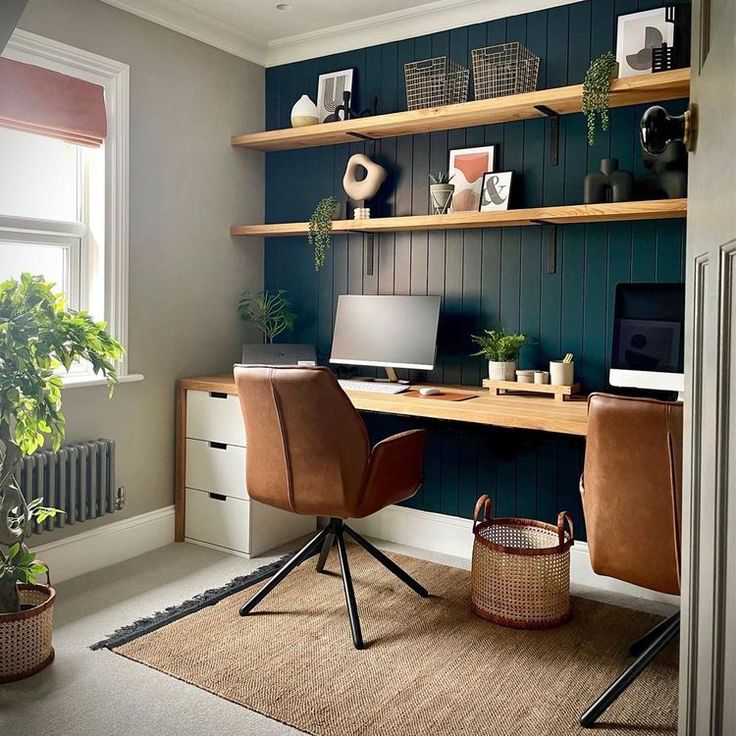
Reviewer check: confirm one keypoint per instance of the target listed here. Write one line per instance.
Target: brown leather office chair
(308, 452)
(631, 490)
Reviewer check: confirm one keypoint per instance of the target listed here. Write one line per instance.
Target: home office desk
(541, 413)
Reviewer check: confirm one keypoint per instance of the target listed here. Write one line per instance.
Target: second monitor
(386, 331)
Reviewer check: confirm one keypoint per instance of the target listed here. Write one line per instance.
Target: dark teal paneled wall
(485, 276)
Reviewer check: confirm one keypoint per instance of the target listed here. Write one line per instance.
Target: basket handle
(562, 518)
(485, 503)
(48, 574)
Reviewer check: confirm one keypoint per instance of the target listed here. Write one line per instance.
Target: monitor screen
(394, 331)
(648, 330)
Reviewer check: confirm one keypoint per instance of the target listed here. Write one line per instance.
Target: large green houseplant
(38, 336)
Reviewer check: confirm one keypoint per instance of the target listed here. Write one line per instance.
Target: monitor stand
(391, 377)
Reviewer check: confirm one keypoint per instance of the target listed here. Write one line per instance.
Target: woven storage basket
(520, 574)
(25, 637)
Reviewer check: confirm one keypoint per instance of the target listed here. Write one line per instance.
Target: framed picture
(495, 191)
(330, 89)
(636, 36)
(466, 169)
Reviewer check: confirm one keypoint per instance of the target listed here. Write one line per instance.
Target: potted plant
(39, 336)
(270, 313)
(441, 191)
(596, 86)
(320, 229)
(501, 350)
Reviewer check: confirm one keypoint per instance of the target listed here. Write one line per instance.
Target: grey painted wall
(187, 185)
(10, 12)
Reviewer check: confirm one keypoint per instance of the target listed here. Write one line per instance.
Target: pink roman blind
(40, 101)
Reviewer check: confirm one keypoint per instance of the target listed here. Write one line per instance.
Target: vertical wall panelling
(485, 277)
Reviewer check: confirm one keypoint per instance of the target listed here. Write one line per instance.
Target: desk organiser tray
(560, 393)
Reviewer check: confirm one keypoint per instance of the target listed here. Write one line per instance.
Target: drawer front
(222, 521)
(215, 417)
(217, 467)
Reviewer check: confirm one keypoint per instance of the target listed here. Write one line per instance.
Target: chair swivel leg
(306, 551)
(347, 582)
(641, 644)
(388, 563)
(588, 719)
(326, 547)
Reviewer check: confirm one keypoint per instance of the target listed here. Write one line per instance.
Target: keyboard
(373, 387)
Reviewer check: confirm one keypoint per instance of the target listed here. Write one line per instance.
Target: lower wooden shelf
(659, 209)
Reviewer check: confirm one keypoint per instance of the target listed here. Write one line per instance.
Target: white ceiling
(257, 30)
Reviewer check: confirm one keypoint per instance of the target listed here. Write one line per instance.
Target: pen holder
(561, 374)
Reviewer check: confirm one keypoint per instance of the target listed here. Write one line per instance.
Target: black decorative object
(667, 174)
(677, 55)
(658, 129)
(610, 184)
(345, 112)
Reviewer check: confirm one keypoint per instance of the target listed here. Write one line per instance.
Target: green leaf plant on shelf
(38, 336)
(596, 88)
(501, 350)
(320, 229)
(269, 312)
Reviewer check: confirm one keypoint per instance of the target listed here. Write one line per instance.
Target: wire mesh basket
(435, 82)
(505, 69)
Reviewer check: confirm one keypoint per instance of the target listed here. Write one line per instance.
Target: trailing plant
(499, 346)
(441, 177)
(38, 336)
(320, 230)
(269, 312)
(596, 87)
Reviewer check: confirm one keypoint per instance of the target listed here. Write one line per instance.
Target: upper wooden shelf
(658, 209)
(662, 86)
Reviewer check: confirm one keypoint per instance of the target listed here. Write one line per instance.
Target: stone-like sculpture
(361, 190)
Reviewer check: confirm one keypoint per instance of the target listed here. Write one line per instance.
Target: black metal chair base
(645, 650)
(334, 533)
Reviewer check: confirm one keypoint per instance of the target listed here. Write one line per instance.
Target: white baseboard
(453, 536)
(107, 545)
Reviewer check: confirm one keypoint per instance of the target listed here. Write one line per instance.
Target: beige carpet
(430, 667)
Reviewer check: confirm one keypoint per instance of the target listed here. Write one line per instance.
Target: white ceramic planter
(304, 113)
(502, 370)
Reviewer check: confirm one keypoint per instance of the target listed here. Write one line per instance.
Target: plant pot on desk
(502, 370)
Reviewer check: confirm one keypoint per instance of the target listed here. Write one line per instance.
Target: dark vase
(610, 184)
(666, 177)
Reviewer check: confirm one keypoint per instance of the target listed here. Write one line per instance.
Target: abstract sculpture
(365, 189)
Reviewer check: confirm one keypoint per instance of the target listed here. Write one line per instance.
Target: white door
(708, 636)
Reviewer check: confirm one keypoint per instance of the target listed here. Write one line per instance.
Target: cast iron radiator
(79, 479)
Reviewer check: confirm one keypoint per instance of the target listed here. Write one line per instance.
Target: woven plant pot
(520, 575)
(25, 637)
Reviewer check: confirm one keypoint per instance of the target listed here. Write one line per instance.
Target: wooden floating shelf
(658, 209)
(670, 85)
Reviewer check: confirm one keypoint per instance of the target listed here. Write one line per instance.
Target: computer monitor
(386, 331)
(648, 337)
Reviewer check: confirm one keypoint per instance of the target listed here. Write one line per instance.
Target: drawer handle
(218, 445)
(218, 497)
(217, 395)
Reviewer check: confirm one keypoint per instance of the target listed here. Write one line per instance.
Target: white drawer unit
(212, 481)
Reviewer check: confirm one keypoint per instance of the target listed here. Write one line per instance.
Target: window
(64, 206)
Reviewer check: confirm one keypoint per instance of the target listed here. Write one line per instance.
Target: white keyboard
(373, 387)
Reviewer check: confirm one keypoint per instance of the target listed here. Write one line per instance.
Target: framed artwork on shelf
(466, 169)
(637, 34)
(330, 91)
(495, 191)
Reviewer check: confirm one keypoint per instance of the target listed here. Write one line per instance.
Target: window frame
(114, 77)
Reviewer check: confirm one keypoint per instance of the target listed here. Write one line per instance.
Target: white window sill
(92, 380)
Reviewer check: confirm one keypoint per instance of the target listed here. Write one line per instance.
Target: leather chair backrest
(632, 490)
(307, 447)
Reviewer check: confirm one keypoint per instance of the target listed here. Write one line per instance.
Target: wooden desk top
(541, 413)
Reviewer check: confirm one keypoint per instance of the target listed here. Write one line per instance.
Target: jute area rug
(430, 668)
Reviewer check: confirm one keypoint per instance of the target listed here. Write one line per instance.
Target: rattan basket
(520, 573)
(25, 637)
(505, 69)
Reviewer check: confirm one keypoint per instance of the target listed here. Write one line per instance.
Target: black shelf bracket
(554, 132)
(550, 230)
(362, 136)
(370, 253)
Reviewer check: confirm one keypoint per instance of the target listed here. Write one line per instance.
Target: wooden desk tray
(560, 393)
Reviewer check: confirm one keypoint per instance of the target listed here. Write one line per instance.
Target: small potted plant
(441, 191)
(320, 229)
(501, 350)
(596, 87)
(39, 336)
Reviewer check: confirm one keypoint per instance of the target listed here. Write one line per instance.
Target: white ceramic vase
(304, 113)
(502, 370)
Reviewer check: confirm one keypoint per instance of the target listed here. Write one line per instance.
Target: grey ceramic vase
(610, 184)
